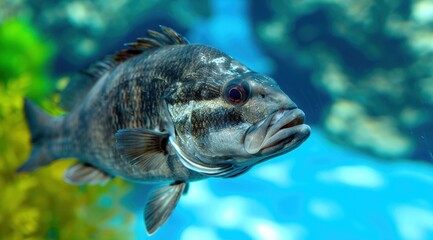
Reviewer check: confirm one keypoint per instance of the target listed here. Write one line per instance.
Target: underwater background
(362, 71)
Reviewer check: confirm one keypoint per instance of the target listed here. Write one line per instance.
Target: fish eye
(237, 92)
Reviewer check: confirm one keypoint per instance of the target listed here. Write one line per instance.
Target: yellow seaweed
(40, 205)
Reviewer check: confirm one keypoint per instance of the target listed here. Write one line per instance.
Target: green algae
(40, 205)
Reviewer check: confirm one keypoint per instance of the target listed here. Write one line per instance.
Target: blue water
(318, 191)
(230, 30)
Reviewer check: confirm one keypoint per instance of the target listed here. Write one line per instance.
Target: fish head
(273, 124)
(223, 127)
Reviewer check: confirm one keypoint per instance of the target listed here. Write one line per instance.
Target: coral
(377, 134)
(374, 56)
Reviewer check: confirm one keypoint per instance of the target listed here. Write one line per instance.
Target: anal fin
(81, 173)
(161, 204)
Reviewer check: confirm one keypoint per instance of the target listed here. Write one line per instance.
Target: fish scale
(203, 121)
(165, 111)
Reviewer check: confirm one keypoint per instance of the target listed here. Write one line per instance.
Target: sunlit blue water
(318, 191)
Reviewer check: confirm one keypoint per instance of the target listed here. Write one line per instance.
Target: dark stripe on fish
(205, 120)
(134, 104)
(121, 111)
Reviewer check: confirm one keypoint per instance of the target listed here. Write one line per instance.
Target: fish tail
(38, 122)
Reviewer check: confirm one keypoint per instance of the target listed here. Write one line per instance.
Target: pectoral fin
(161, 204)
(81, 173)
(142, 147)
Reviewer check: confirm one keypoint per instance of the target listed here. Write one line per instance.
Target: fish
(167, 111)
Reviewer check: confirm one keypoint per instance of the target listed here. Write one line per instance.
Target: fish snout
(280, 132)
(283, 101)
(278, 97)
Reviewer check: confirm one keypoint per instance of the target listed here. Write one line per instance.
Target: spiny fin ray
(81, 84)
(160, 37)
(175, 37)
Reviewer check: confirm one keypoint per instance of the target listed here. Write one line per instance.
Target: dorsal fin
(81, 83)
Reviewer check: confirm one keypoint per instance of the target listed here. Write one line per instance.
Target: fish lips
(279, 133)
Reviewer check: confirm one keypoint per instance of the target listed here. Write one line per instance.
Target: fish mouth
(279, 133)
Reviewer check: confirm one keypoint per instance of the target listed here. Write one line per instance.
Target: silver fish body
(166, 111)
